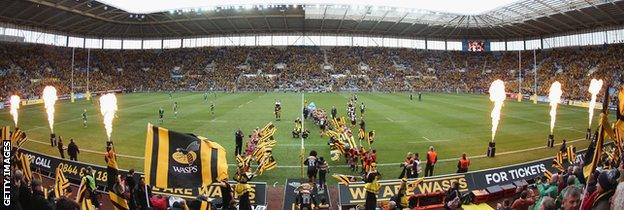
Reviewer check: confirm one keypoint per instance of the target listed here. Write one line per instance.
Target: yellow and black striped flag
(362, 134)
(344, 179)
(547, 174)
(25, 166)
(267, 163)
(118, 201)
(558, 166)
(370, 137)
(179, 160)
(5, 134)
(204, 205)
(604, 130)
(349, 140)
(60, 183)
(559, 157)
(18, 138)
(571, 154)
(82, 197)
(619, 123)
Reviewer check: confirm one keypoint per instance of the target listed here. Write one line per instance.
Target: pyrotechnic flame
(594, 89)
(497, 95)
(49, 99)
(108, 107)
(15, 104)
(554, 96)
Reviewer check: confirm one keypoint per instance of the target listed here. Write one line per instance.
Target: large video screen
(476, 45)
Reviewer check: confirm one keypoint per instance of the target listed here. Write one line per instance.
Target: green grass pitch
(452, 123)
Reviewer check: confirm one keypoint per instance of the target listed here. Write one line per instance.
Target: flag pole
(72, 74)
(519, 75)
(589, 169)
(302, 152)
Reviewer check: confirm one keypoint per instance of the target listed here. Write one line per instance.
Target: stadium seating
(27, 68)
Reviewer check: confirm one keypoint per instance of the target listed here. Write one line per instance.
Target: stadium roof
(518, 19)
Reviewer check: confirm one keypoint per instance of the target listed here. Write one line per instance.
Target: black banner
(354, 193)
(74, 171)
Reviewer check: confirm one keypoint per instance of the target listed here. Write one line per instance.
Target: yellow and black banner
(60, 183)
(547, 174)
(345, 179)
(82, 197)
(18, 138)
(25, 166)
(119, 202)
(559, 157)
(179, 160)
(604, 130)
(571, 154)
(5, 134)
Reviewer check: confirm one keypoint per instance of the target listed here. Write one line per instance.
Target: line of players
(277, 110)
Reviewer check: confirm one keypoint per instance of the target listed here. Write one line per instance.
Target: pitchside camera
(551, 141)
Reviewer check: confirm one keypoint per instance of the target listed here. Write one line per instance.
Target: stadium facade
(522, 25)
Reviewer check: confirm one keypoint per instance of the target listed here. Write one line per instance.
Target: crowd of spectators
(27, 68)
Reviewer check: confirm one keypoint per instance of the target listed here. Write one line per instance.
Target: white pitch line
(513, 116)
(389, 119)
(346, 166)
(429, 140)
(80, 118)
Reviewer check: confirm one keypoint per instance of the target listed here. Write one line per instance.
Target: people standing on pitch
(61, 150)
(238, 137)
(205, 97)
(311, 162)
(462, 165)
(212, 108)
(161, 113)
(296, 133)
(52, 140)
(334, 112)
(416, 168)
(563, 147)
(170, 94)
(306, 112)
(432, 159)
(419, 96)
(72, 150)
(175, 109)
(362, 108)
(411, 97)
(323, 168)
(278, 110)
(84, 118)
(406, 165)
(362, 124)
